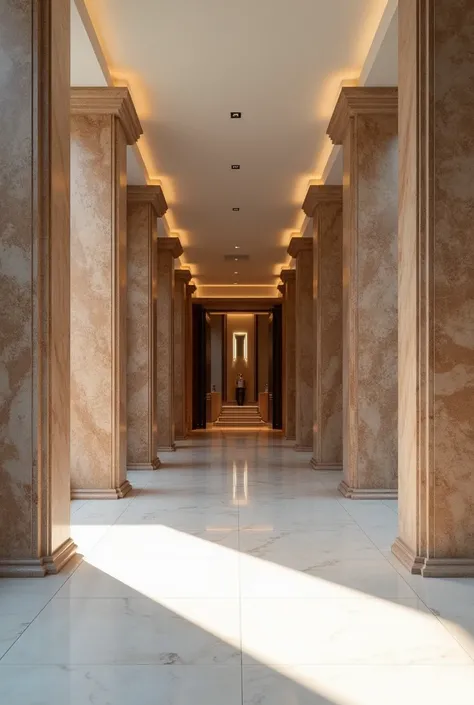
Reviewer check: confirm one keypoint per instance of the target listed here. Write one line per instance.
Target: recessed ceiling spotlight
(235, 283)
(235, 272)
(235, 166)
(236, 247)
(235, 115)
(236, 259)
(235, 209)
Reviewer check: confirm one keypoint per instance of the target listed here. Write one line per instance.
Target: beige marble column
(324, 205)
(182, 277)
(301, 248)
(169, 248)
(190, 289)
(365, 123)
(288, 277)
(144, 205)
(436, 288)
(34, 288)
(103, 122)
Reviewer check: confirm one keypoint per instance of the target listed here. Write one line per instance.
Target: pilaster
(169, 248)
(301, 248)
(324, 205)
(144, 205)
(365, 123)
(288, 277)
(34, 288)
(103, 122)
(182, 277)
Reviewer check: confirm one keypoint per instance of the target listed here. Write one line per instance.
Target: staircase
(243, 416)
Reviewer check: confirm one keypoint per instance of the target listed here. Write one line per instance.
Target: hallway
(235, 574)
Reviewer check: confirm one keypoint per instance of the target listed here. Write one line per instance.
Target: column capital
(108, 101)
(190, 289)
(170, 244)
(148, 194)
(321, 193)
(183, 275)
(287, 275)
(359, 100)
(299, 244)
(281, 289)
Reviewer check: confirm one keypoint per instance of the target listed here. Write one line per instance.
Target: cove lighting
(235, 341)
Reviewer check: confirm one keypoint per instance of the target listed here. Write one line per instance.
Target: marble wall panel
(98, 307)
(34, 287)
(165, 367)
(436, 288)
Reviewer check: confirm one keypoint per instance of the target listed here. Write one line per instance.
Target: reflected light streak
(332, 624)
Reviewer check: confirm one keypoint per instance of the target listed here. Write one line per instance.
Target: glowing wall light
(239, 346)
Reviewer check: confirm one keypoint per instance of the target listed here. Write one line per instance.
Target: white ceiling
(188, 64)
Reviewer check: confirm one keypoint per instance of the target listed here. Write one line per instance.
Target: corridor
(235, 574)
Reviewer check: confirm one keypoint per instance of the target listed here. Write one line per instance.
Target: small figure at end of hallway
(240, 389)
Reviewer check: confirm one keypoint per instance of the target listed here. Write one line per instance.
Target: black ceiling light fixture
(235, 166)
(235, 115)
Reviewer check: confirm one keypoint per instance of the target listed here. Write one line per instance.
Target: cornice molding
(359, 100)
(148, 194)
(183, 275)
(108, 101)
(287, 275)
(299, 244)
(281, 289)
(170, 244)
(321, 193)
(191, 288)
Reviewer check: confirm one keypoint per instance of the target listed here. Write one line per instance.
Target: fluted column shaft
(365, 123)
(34, 288)
(145, 205)
(324, 205)
(103, 122)
(436, 288)
(169, 248)
(301, 248)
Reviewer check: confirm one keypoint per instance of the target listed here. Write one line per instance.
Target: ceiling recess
(235, 115)
(236, 258)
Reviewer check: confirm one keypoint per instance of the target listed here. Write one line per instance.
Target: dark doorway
(276, 367)
(199, 366)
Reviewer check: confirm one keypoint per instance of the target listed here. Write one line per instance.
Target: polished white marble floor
(235, 575)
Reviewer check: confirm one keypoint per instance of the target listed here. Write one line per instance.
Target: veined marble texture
(289, 312)
(327, 275)
(141, 332)
(168, 249)
(436, 288)
(370, 304)
(235, 574)
(34, 287)
(98, 305)
(180, 340)
(304, 343)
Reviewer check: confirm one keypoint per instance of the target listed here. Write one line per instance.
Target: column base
(316, 465)
(302, 449)
(144, 466)
(38, 567)
(432, 567)
(167, 449)
(109, 493)
(358, 493)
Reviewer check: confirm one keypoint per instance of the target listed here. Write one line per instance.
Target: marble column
(190, 289)
(144, 205)
(103, 122)
(169, 248)
(365, 123)
(182, 277)
(288, 277)
(436, 288)
(34, 288)
(324, 205)
(301, 248)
